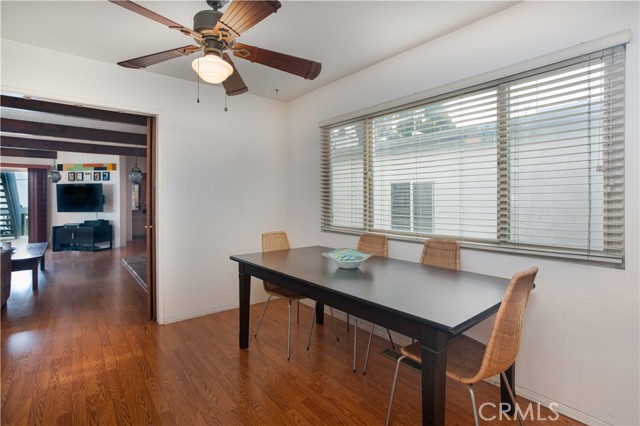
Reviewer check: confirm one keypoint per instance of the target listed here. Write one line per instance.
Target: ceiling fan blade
(287, 63)
(155, 58)
(127, 4)
(234, 85)
(243, 14)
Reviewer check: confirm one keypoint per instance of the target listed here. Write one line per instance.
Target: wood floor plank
(80, 352)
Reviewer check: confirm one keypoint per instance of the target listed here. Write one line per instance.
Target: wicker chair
(469, 361)
(273, 241)
(443, 253)
(373, 244)
(378, 245)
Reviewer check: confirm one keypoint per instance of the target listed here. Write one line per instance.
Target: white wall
(581, 337)
(224, 178)
(221, 175)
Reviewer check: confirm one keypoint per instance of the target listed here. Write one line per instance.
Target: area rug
(390, 353)
(137, 266)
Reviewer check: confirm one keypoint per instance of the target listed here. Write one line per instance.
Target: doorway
(35, 130)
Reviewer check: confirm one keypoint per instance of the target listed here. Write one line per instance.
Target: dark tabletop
(30, 251)
(449, 300)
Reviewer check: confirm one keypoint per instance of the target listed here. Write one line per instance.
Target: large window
(532, 162)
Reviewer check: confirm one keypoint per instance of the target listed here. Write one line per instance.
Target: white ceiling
(345, 36)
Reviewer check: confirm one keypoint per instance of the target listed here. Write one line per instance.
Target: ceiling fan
(215, 33)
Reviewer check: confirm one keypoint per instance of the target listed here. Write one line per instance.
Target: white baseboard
(565, 410)
(214, 310)
(191, 315)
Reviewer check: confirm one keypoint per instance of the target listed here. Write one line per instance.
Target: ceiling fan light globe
(212, 69)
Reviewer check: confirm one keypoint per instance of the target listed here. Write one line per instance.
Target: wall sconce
(135, 174)
(54, 175)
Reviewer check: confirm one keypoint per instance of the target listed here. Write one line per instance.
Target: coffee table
(27, 258)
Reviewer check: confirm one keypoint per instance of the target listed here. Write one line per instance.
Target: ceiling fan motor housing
(205, 20)
(217, 4)
(213, 45)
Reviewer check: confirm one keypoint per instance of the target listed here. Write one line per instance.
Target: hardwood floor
(79, 351)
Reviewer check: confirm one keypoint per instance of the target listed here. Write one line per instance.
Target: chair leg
(289, 333)
(473, 404)
(313, 317)
(262, 317)
(355, 341)
(333, 318)
(366, 357)
(393, 388)
(513, 398)
(393, 346)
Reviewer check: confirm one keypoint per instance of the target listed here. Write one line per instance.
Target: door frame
(150, 220)
(71, 107)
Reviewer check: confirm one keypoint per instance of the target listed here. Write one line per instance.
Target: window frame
(501, 244)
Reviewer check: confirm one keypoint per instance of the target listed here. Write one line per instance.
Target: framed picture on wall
(105, 176)
(96, 175)
(79, 176)
(71, 176)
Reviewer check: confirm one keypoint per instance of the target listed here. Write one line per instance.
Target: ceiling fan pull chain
(198, 81)
(225, 102)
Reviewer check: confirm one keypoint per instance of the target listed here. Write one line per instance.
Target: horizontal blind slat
(530, 162)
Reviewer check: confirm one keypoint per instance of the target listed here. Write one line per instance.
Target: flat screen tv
(79, 197)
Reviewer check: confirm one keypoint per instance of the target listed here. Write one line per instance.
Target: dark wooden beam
(54, 145)
(30, 153)
(71, 132)
(72, 110)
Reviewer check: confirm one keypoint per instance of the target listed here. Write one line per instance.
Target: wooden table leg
(34, 276)
(504, 393)
(319, 313)
(434, 375)
(245, 293)
(42, 263)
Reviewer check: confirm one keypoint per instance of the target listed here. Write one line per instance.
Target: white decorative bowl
(347, 258)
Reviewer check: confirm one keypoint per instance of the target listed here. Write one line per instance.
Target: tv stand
(92, 235)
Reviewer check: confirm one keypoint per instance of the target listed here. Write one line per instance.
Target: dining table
(426, 303)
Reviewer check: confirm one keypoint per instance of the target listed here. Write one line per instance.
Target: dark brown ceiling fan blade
(127, 4)
(243, 14)
(155, 58)
(234, 85)
(287, 63)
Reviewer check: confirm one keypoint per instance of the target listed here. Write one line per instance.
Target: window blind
(343, 177)
(532, 162)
